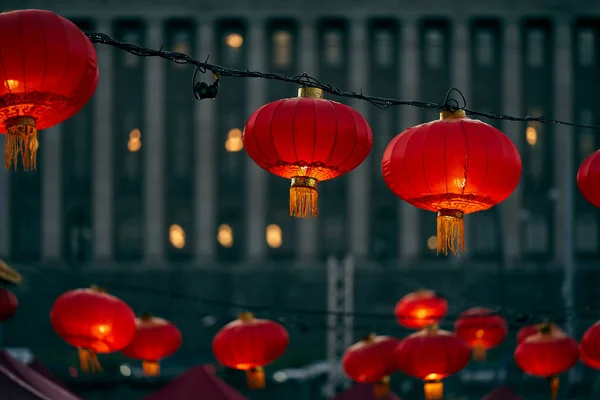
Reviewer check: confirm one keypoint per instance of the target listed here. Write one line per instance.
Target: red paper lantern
(432, 355)
(155, 339)
(547, 354)
(589, 347)
(527, 331)
(47, 74)
(588, 178)
(248, 344)
(372, 361)
(309, 140)
(419, 309)
(453, 166)
(94, 322)
(481, 330)
(8, 304)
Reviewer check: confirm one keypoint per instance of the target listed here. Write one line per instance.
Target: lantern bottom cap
(21, 138)
(151, 368)
(304, 197)
(450, 232)
(381, 388)
(256, 378)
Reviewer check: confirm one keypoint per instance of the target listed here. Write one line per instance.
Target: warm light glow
(234, 40)
(234, 141)
(479, 333)
(102, 329)
(434, 390)
(244, 366)
(421, 314)
(135, 134)
(531, 136)
(11, 84)
(225, 237)
(432, 377)
(432, 243)
(460, 182)
(177, 236)
(274, 236)
(135, 140)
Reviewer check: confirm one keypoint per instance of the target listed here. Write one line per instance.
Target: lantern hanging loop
(203, 90)
(447, 104)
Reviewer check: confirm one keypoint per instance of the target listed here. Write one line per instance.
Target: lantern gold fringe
(304, 197)
(256, 378)
(151, 368)
(554, 385)
(434, 390)
(21, 137)
(450, 232)
(382, 387)
(479, 353)
(88, 361)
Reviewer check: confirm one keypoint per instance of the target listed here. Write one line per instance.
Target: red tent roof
(362, 391)
(197, 383)
(502, 393)
(17, 381)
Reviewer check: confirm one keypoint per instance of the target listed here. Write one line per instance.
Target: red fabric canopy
(197, 383)
(17, 381)
(502, 393)
(363, 391)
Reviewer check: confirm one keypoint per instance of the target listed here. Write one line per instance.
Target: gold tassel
(479, 353)
(304, 197)
(88, 361)
(381, 388)
(256, 378)
(450, 232)
(151, 368)
(434, 390)
(554, 384)
(21, 137)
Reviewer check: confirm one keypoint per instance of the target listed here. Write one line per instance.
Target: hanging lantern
(48, 73)
(94, 322)
(372, 361)
(419, 309)
(8, 304)
(547, 354)
(155, 339)
(588, 178)
(432, 355)
(589, 347)
(248, 344)
(529, 330)
(481, 330)
(453, 166)
(309, 140)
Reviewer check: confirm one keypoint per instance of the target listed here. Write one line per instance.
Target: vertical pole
(332, 294)
(348, 301)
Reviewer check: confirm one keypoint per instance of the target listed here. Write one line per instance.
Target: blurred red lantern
(48, 73)
(588, 178)
(419, 309)
(155, 339)
(372, 361)
(453, 166)
(8, 304)
(547, 354)
(432, 355)
(309, 140)
(248, 344)
(589, 347)
(94, 322)
(527, 331)
(481, 329)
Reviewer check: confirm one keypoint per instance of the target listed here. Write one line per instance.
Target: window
(384, 48)
(484, 234)
(586, 233)
(535, 150)
(282, 45)
(434, 42)
(484, 47)
(232, 51)
(585, 47)
(536, 235)
(81, 148)
(181, 161)
(131, 37)
(333, 48)
(181, 43)
(535, 47)
(587, 142)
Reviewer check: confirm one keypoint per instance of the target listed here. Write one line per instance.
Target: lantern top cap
(369, 338)
(432, 329)
(146, 317)
(96, 288)
(447, 114)
(311, 92)
(245, 316)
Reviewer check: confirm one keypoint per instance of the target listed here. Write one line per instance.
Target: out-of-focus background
(151, 190)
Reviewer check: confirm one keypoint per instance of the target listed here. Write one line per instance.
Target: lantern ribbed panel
(370, 361)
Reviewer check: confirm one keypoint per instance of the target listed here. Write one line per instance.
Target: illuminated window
(535, 48)
(234, 141)
(225, 235)
(384, 48)
(333, 48)
(434, 42)
(274, 236)
(234, 40)
(531, 136)
(484, 47)
(177, 236)
(585, 44)
(181, 43)
(135, 140)
(282, 45)
(432, 243)
(232, 51)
